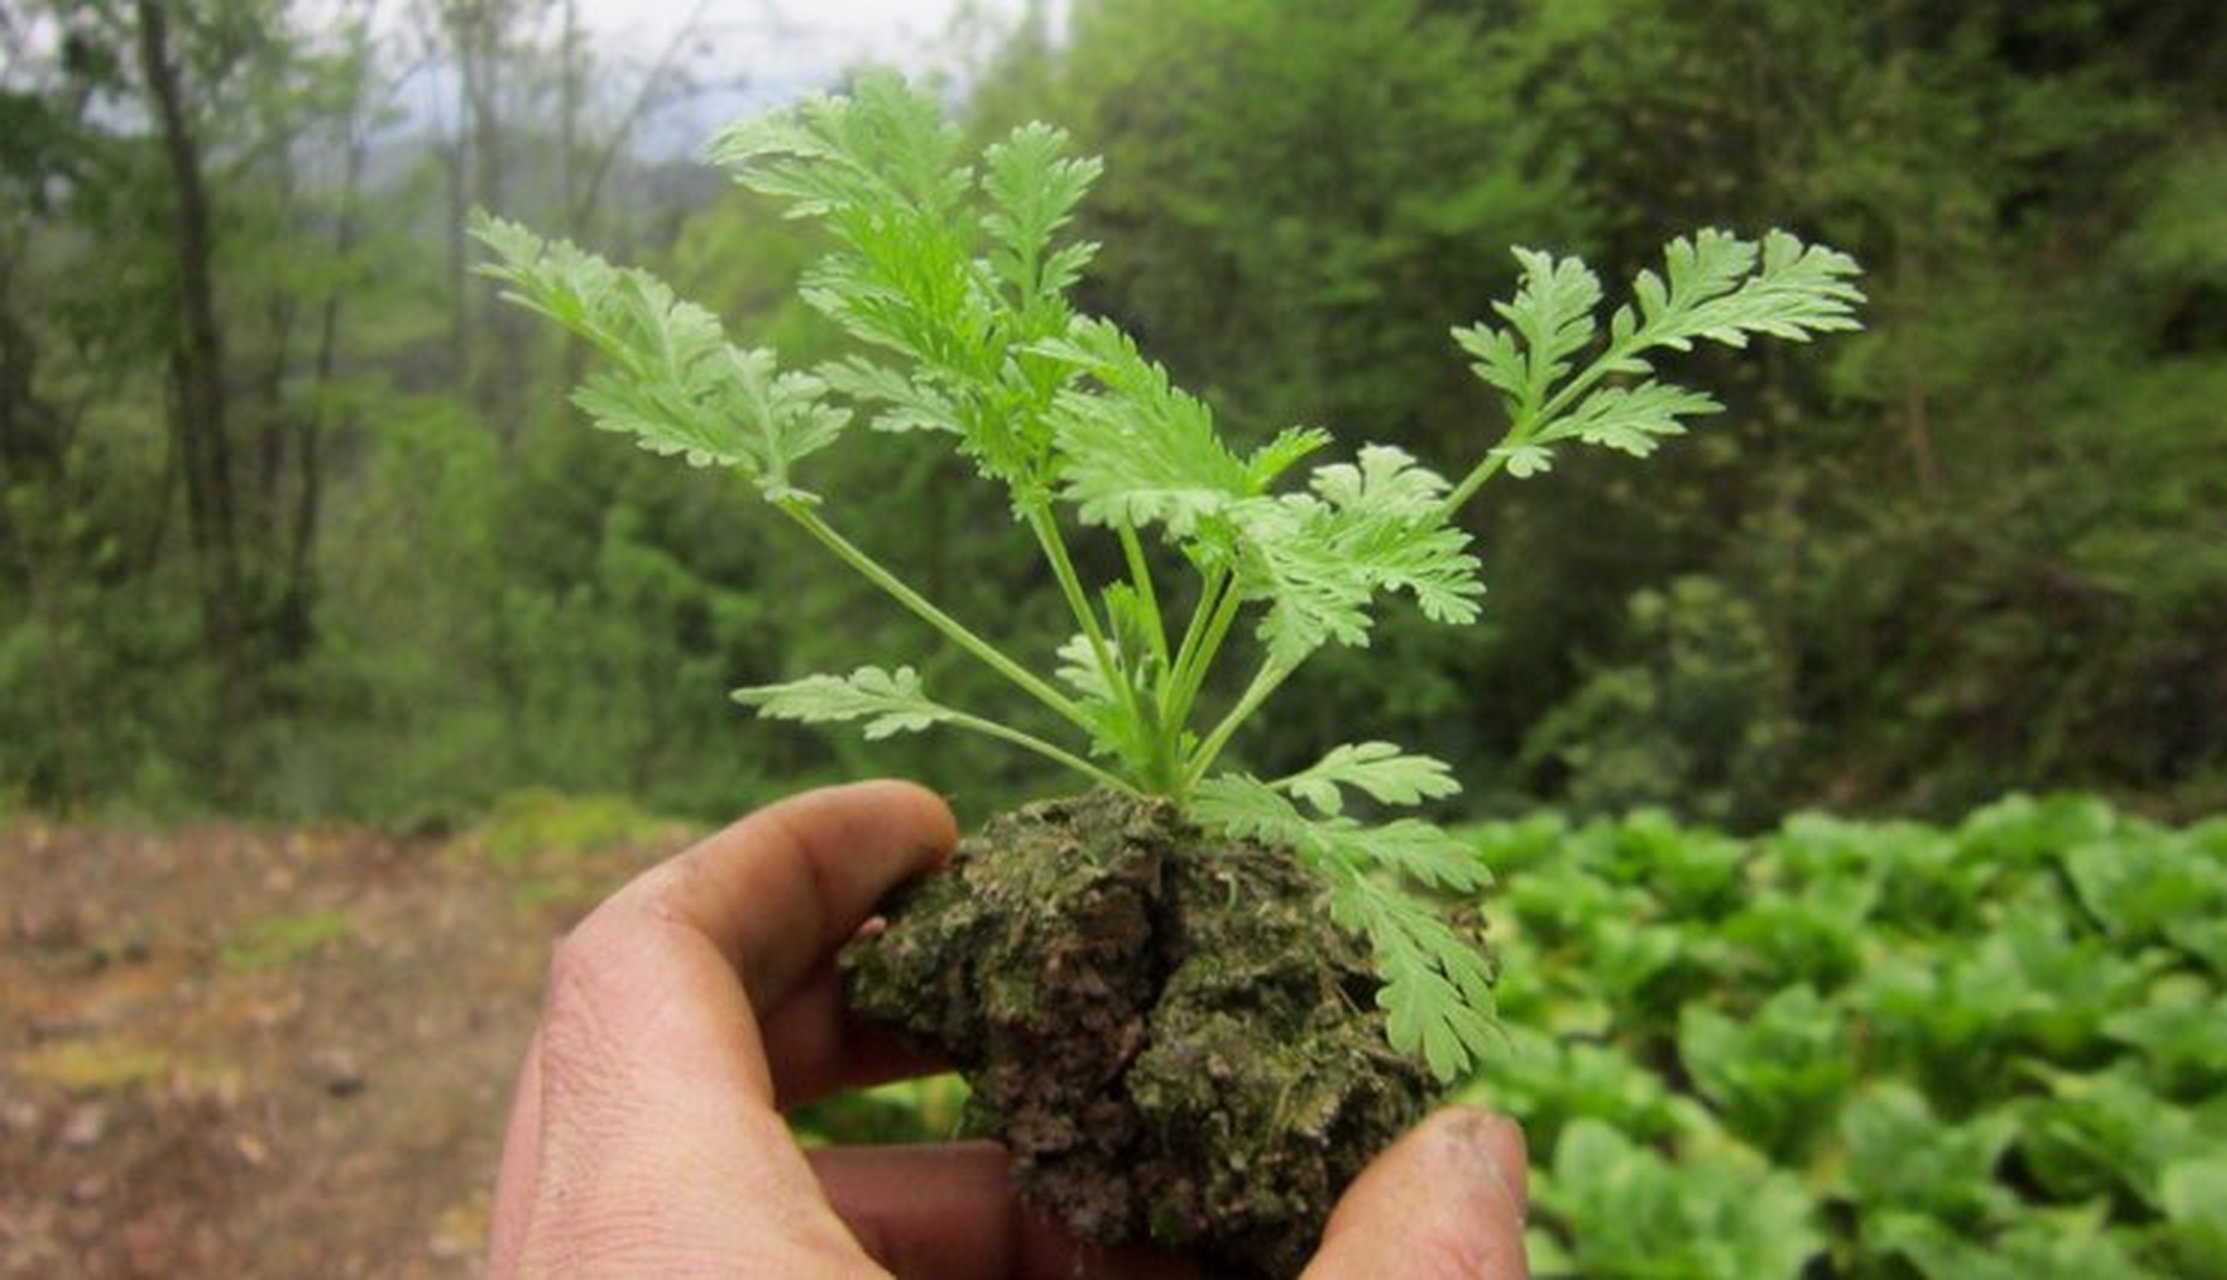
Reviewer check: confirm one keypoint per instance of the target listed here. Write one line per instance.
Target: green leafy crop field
(1866, 1050)
(1845, 1050)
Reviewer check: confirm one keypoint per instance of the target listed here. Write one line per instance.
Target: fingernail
(1496, 1145)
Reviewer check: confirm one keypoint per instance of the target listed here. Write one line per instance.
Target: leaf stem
(1218, 604)
(1271, 675)
(1602, 366)
(1530, 425)
(962, 720)
(1140, 577)
(1486, 469)
(1046, 527)
(801, 511)
(1210, 589)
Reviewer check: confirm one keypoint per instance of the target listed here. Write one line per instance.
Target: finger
(948, 1213)
(514, 1182)
(647, 986)
(656, 1099)
(785, 887)
(816, 1046)
(1445, 1201)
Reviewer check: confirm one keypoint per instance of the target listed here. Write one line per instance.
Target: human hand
(682, 1015)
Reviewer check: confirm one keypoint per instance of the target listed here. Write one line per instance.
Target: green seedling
(952, 273)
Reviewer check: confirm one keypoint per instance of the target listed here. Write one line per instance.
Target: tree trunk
(198, 409)
(296, 619)
(492, 369)
(33, 441)
(274, 422)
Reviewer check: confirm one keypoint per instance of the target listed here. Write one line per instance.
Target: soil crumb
(1165, 1028)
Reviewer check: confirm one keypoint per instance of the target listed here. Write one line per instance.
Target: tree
(165, 149)
(1976, 563)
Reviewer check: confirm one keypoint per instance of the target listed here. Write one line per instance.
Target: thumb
(1445, 1202)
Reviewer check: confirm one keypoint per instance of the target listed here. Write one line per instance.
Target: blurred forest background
(295, 518)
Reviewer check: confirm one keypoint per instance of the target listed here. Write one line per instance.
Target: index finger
(649, 1057)
(668, 981)
(784, 888)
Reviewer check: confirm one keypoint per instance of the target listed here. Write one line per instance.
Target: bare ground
(241, 1051)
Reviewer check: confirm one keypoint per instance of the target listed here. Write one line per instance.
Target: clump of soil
(1166, 1029)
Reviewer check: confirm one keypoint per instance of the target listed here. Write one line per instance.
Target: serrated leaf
(1133, 631)
(1078, 669)
(1113, 733)
(1319, 559)
(1696, 272)
(1500, 363)
(1064, 266)
(911, 405)
(1378, 769)
(1550, 320)
(1437, 989)
(1427, 854)
(1632, 420)
(1794, 291)
(1383, 481)
(1315, 595)
(883, 143)
(881, 168)
(1713, 286)
(675, 383)
(1290, 446)
(744, 147)
(1034, 184)
(889, 701)
(1526, 460)
(1141, 451)
(1553, 314)
(1251, 809)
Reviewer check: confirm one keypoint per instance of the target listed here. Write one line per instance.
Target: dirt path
(263, 1052)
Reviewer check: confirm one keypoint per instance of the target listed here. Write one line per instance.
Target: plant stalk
(1198, 659)
(1046, 528)
(852, 555)
(962, 720)
(1271, 675)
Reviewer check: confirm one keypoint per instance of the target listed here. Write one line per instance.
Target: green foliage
(1952, 1067)
(1718, 1212)
(889, 701)
(929, 1109)
(677, 385)
(1697, 720)
(1715, 287)
(956, 271)
(289, 938)
(1777, 1074)
(1378, 769)
(587, 601)
(1979, 547)
(1437, 987)
(526, 827)
(1975, 549)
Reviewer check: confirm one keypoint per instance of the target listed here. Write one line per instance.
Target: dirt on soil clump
(1166, 1030)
